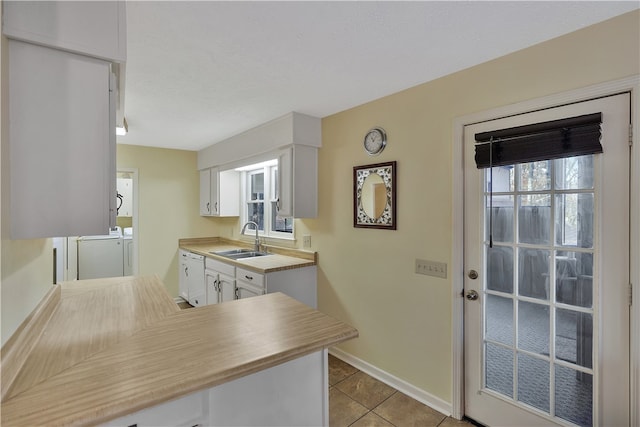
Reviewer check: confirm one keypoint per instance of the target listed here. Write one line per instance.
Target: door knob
(473, 275)
(472, 295)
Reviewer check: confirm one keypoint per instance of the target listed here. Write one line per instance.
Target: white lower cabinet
(186, 411)
(247, 290)
(225, 282)
(220, 287)
(294, 393)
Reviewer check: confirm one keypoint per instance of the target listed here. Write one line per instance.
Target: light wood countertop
(278, 259)
(116, 346)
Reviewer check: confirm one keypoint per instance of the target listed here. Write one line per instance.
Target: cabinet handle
(278, 204)
(249, 277)
(208, 207)
(216, 206)
(236, 294)
(186, 271)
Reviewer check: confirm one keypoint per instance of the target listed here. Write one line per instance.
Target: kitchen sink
(240, 253)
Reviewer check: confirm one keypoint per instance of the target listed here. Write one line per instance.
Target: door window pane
(499, 319)
(533, 273)
(533, 327)
(574, 219)
(503, 179)
(574, 337)
(533, 382)
(535, 176)
(574, 278)
(574, 396)
(534, 222)
(502, 219)
(500, 269)
(499, 369)
(574, 173)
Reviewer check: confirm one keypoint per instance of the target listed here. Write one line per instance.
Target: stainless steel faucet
(255, 226)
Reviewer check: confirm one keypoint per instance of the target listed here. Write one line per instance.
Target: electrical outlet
(306, 241)
(431, 268)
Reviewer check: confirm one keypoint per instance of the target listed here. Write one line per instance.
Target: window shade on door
(574, 136)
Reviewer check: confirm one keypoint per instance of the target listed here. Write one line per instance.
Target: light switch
(431, 268)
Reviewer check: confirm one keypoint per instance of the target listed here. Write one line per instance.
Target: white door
(547, 338)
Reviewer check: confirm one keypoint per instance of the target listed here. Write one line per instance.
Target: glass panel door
(538, 308)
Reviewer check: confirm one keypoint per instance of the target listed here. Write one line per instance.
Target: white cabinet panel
(298, 182)
(125, 189)
(220, 287)
(219, 192)
(186, 411)
(61, 143)
(205, 192)
(93, 28)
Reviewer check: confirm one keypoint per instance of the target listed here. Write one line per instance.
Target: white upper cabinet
(294, 140)
(298, 182)
(205, 191)
(61, 143)
(92, 28)
(219, 192)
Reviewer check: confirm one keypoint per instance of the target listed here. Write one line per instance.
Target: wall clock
(374, 141)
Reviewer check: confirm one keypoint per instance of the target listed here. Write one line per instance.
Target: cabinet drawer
(219, 266)
(250, 276)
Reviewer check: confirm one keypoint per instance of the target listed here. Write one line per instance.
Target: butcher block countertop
(112, 347)
(277, 260)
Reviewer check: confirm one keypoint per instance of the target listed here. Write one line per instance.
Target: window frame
(270, 197)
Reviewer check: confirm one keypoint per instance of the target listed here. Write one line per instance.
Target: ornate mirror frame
(362, 217)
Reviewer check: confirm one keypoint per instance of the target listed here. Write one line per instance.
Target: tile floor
(359, 400)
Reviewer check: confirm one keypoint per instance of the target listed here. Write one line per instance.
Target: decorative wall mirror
(374, 196)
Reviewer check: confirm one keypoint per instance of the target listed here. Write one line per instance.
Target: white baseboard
(420, 395)
(179, 300)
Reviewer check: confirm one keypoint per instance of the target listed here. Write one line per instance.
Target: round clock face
(375, 140)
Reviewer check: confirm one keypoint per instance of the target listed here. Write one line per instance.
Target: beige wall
(168, 197)
(366, 277)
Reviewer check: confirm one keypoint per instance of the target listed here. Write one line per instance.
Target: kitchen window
(259, 200)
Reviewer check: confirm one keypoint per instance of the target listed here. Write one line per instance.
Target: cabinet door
(246, 290)
(228, 201)
(284, 203)
(61, 143)
(213, 295)
(213, 191)
(205, 192)
(227, 288)
(298, 182)
(125, 189)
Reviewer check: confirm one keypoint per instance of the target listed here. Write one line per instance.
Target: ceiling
(200, 72)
